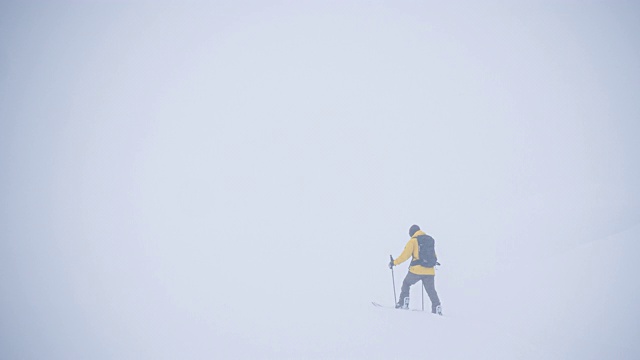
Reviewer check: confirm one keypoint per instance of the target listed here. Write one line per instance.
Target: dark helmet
(413, 229)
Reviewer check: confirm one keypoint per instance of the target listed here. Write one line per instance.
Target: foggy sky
(190, 163)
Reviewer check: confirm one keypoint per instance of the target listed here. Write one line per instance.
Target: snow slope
(577, 304)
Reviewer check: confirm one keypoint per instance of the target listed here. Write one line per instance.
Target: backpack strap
(414, 261)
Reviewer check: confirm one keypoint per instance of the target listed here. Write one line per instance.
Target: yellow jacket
(411, 249)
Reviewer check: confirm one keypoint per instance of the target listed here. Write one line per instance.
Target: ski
(380, 305)
(391, 307)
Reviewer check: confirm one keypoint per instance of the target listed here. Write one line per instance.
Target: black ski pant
(429, 285)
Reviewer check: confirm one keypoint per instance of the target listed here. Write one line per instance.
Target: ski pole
(422, 295)
(393, 279)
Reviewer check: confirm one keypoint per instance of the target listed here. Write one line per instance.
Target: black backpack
(426, 251)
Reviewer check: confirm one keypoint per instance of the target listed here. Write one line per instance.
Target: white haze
(227, 179)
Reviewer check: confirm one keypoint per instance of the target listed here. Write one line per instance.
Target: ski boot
(438, 310)
(404, 305)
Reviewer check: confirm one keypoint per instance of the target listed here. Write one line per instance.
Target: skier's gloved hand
(437, 263)
(391, 264)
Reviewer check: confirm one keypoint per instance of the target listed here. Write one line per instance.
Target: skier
(419, 245)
